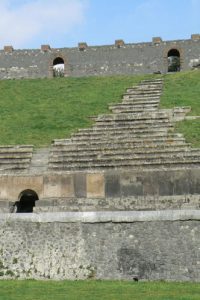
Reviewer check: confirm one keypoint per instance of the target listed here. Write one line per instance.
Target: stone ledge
(104, 217)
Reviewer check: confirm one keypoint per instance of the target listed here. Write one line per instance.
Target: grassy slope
(93, 290)
(183, 89)
(37, 111)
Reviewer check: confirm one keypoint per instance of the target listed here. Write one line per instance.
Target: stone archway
(58, 67)
(26, 202)
(174, 64)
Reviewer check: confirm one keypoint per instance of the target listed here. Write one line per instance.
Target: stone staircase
(137, 134)
(39, 162)
(15, 158)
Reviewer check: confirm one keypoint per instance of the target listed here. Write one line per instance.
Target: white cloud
(39, 20)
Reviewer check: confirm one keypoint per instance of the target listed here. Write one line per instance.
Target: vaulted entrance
(174, 64)
(26, 201)
(58, 67)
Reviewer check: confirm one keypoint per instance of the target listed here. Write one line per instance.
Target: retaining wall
(163, 245)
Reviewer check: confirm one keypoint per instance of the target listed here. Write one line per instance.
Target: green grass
(40, 110)
(37, 111)
(183, 89)
(101, 290)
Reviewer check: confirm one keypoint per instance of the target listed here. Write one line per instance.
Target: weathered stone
(95, 186)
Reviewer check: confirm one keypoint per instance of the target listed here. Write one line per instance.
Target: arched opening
(174, 63)
(26, 201)
(58, 67)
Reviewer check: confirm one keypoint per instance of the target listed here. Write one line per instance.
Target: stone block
(194, 181)
(181, 182)
(166, 183)
(195, 37)
(80, 185)
(82, 46)
(8, 49)
(12, 186)
(58, 186)
(95, 186)
(150, 184)
(131, 185)
(156, 40)
(119, 43)
(112, 185)
(45, 48)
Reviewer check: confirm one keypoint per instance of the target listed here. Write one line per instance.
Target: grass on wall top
(40, 110)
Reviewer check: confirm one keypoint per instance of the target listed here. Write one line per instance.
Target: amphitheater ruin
(118, 200)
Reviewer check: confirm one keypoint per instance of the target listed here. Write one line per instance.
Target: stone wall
(161, 245)
(115, 59)
(111, 190)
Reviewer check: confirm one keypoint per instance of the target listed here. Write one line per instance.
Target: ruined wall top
(85, 60)
(118, 43)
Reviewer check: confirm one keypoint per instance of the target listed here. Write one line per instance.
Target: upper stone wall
(119, 58)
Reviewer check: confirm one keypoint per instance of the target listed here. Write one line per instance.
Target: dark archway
(174, 64)
(26, 201)
(58, 67)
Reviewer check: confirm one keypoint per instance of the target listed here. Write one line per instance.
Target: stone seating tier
(13, 158)
(137, 135)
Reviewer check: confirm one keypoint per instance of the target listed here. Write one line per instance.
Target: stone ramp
(15, 158)
(136, 134)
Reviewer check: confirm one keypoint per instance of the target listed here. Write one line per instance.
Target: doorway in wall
(174, 64)
(58, 67)
(26, 201)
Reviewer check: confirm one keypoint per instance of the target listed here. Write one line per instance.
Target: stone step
(144, 88)
(109, 124)
(149, 85)
(98, 144)
(136, 103)
(127, 97)
(145, 116)
(126, 136)
(134, 165)
(16, 149)
(133, 110)
(130, 127)
(14, 161)
(143, 92)
(119, 151)
(151, 130)
(133, 105)
(131, 119)
(141, 158)
(39, 161)
(13, 167)
(132, 133)
(15, 155)
(67, 145)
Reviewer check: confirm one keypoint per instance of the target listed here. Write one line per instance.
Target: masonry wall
(113, 190)
(102, 60)
(145, 245)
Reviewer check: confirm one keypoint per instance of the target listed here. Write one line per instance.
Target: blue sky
(64, 23)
